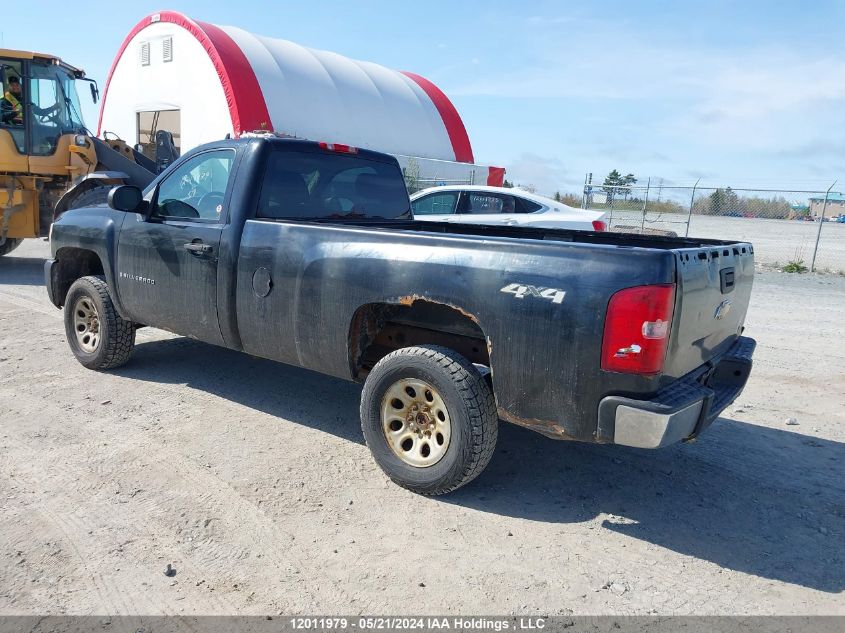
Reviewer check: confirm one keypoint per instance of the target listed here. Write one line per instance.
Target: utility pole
(645, 203)
(821, 221)
(587, 196)
(691, 203)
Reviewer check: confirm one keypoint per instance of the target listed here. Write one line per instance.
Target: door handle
(198, 248)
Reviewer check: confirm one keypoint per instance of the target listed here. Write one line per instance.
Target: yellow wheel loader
(49, 161)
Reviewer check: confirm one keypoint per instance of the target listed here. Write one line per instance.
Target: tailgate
(711, 300)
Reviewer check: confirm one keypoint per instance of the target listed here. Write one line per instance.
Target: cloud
(763, 96)
(818, 147)
(557, 20)
(651, 100)
(546, 174)
(631, 153)
(765, 101)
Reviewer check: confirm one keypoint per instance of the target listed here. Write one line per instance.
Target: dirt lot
(252, 480)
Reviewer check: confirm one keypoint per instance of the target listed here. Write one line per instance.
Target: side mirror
(126, 198)
(95, 94)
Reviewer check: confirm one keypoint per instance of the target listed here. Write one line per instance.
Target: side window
(11, 101)
(527, 206)
(435, 204)
(481, 202)
(196, 188)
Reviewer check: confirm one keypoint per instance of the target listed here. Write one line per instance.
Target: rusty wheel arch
(378, 328)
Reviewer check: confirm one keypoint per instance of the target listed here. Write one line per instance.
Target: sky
(745, 94)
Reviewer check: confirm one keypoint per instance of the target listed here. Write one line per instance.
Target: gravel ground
(776, 242)
(251, 479)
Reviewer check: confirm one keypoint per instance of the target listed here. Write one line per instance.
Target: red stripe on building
(244, 98)
(451, 119)
(496, 176)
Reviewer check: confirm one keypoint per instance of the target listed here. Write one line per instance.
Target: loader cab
(49, 104)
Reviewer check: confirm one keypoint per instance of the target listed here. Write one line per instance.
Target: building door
(151, 121)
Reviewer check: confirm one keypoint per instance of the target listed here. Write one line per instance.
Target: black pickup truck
(308, 254)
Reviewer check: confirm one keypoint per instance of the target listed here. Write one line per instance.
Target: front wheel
(97, 335)
(429, 419)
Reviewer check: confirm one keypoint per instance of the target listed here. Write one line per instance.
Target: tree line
(723, 201)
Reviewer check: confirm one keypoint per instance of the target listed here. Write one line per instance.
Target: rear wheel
(429, 419)
(9, 245)
(96, 197)
(97, 335)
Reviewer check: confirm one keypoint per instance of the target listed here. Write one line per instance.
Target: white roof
(274, 84)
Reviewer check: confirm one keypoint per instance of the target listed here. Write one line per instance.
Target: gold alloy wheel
(415, 422)
(86, 324)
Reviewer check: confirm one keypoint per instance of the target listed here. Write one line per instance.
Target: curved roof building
(202, 81)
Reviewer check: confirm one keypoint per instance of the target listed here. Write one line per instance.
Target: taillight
(636, 329)
(599, 225)
(338, 147)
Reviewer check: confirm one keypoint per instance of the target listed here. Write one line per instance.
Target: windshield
(54, 88)
(53, 107)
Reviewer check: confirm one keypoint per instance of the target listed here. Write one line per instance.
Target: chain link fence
(421, 173)
(790, 230)
(418, 184)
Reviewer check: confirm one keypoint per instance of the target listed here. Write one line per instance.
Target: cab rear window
(326, 186)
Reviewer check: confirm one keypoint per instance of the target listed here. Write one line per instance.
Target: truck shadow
(748, 498)
(21, 271)
(302, 396)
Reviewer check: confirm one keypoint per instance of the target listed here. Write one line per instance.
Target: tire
(469, 423)
(110, 339)
(96, 197)
(9, 245)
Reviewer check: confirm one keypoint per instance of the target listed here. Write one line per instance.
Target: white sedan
(470, 204)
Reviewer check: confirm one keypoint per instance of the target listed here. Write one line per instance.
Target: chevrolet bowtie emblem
(722, 309)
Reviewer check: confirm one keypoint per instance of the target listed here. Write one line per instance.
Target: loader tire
(9, 245)
(96, 197)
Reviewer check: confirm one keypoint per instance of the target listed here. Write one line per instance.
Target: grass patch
(795, 266)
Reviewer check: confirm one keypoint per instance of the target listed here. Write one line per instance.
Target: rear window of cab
(326, 186)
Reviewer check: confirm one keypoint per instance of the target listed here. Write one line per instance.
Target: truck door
(167, 264)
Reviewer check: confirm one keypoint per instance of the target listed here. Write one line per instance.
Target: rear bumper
(683, 409)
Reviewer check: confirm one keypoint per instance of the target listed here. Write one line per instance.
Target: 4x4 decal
(520, 291)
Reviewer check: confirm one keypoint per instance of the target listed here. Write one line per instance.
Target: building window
(167, 49)
(145, 53)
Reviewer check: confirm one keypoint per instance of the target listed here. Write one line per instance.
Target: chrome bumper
(683, 409)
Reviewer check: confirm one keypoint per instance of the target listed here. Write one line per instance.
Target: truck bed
(630, 240)
(710, 275)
